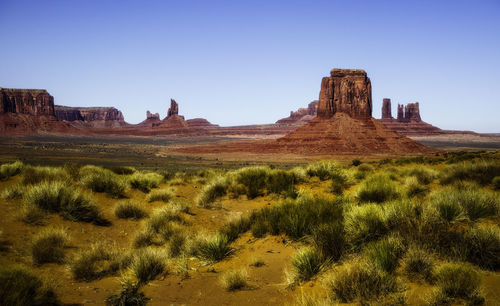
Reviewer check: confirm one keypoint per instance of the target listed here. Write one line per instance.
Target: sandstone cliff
(408, 120)
(93, 117)
(302, 115)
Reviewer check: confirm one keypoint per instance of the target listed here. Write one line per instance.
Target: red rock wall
(26, 101)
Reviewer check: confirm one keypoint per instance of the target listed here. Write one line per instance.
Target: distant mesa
(91, 117)
(29, 111)
(302, 115)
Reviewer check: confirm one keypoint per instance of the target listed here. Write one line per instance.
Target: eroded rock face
(150, 116)
(173, 109)
(346, 91)
(91, 116)
(386, 109)
(302, 115)
(410, 112)
(26, 101)
(408, 122)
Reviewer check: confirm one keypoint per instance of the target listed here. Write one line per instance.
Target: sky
(251, 62)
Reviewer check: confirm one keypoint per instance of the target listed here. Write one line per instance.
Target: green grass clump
(468, 200)
(48, 246)
(60, 198)
(147, 265)
(95, 262)
(122, 170)
(13, 192)
(103, 180)
(129, 295)
(378, 188)
(163, 195)
(360, 281)
(365, 223)
(418, 263)
(145, 181)
(424, 175)
(403, 216)
(483, 246)
(414, 187)
(8, 170)
(385, 253)
(307, 263)
(234, 280)
(212, 191)
(495, 182)
(278, 181)
(20, 285)
(253, 180)
(214, 248)
(482, 172)
(324, 170)
(35, 174)
(457, 280)
(329, 239)
(130, 210)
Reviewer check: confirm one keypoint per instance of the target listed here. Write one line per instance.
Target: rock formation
(94, 117)
(28, 111)
(346, 91)
(154, 116)
(302, 115)
(173, 109)
(386, 109)
(200, 122)
(408, 122)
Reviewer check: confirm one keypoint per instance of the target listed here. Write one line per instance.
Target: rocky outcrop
(26, 101)
(154, 116)
(173, 109)
(302, 115)
(200, 123)
(94, 117)
(28, 112)
(346, 91)
(408, 121)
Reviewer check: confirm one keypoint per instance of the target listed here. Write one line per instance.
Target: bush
(329, 239)
(413, 187)
(21, 286)
(214, 248)
(495, 182)
(356, 162)
(403, 216)
(129, 295)
(417, 262)
(13, 192)
(482, 172)
(33, 215)
(94, 263)
(70, 203)
(130, 210)
(103, 180)
(278, 181)
(163, 195)
(360, 280)
(147, 265)
(210, 192)
(48, 246)
(424, 175)
(365, 223)
(8, 170)
(378, 188)
(307, 263)
(483, 246)
(123, 170)
(385, 253)
(33, 175)
(447, 205)
(457, 280)
(177, 244)
(324, 170)
(145, 181)
(253, 179)
(234, 280)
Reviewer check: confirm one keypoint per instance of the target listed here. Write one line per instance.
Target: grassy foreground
(359, 232)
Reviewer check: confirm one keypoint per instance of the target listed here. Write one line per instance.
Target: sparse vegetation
(307, 263)
(482, 172)
(378, 188)
(129, 295)
(48, 246)
(214, 248)
(147, 265)
(234, 280)
(102, 180)
(128, 209)
(365, 223)
(13, 192)
(417, 263)
(95, 262)
(33, 175)
(385, 253)
(8, 170)
(211, 191)
(145, 181)
(163, 195)
(458, 280)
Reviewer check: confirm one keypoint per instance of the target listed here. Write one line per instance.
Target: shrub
(482, 172)
(163, 195)
(254, 180)
(356, 162)
(103, 180)
(365, 223)
(483, 246)
(93, 263)
(145, 181)
(33, 175)
(210, 192)
(378, 188)
(147, 265)
(417, 262)
(329, 239)
(60, 198)
(177, 244)
(413, 187)
(129, 295)
(324, 170)
(8, 170)
(13, 192)
(33, 215)
(447, 205)
(214, 248)
(19, 285)
(144, 238)
(385, 253)
(234, 280)
(122, 170)
(360, 280)
(424, 175)
(48, 246)
(130, 210)
(404, 216)
(278, 180)
(457, 280)
(496, 182)
(307, 263)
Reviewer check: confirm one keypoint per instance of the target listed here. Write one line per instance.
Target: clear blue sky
(236, 62)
